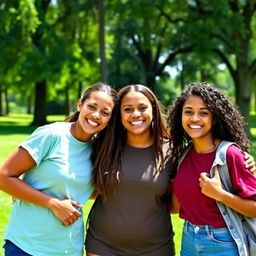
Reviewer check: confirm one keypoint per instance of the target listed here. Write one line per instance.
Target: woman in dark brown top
(130, 217)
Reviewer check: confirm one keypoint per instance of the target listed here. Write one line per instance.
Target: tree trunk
(29, 103)
(80, 87)
(103, 63)
(7, 109)
(67, 101)
(40, 104)
(1, 101)
(243, 94)
(151, 81)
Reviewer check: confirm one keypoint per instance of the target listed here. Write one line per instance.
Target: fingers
(253, 169)
(71, 219)
(246, 155)
(67, 211)
(204, 176)
(216, 171)
(75, 203)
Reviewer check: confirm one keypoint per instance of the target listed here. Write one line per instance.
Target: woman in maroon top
(202, 117)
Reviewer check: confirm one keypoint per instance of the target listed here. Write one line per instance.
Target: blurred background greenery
(51, 50)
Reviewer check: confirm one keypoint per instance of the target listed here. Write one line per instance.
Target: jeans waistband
(202, 228)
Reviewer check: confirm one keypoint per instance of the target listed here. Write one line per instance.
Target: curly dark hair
(229, 124)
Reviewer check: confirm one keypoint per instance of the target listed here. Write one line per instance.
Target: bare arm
(211, 187)
(174, 205)
(20, 162)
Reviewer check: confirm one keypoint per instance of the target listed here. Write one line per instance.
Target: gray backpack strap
(181, 158)
(222, 164)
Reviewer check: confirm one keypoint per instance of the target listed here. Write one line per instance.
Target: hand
(249, 162)
(65, 211)
(211, 187)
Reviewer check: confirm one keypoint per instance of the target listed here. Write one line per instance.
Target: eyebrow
(96, 104)
(205, 108)
(140, 104)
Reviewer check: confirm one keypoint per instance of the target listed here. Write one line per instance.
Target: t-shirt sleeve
(243, 180)
(39, 143)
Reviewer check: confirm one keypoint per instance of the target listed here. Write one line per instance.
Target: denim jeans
(10, 249)
(207, 241)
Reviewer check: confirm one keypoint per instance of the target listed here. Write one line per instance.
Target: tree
(103, 63)
(226, 29)
(148, 34)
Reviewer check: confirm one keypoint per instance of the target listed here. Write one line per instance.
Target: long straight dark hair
(106, 173)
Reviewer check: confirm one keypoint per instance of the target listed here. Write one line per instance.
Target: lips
(137, 123)
(92, 123)
(194, 126)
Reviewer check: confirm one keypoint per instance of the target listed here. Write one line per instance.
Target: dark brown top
(135, 220)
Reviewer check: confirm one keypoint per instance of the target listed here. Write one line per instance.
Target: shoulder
(57, 127)
(235, 156)
(234, 151)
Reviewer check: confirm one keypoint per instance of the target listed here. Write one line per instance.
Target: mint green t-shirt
(63, 170)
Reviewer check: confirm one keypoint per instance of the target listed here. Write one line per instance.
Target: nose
(96, 114)
(195, 117)
(136, 113)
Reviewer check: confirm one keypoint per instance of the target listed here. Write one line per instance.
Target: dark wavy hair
(106, 176)
(229, 124)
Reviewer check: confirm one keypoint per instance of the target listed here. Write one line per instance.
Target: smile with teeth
(135, 123)
(194, 126)
(92, 123)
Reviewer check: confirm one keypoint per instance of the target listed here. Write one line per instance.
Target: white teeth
(137, 122)
(91, 122)
(195, 126)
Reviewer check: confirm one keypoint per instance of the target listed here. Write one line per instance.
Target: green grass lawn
(14, 129)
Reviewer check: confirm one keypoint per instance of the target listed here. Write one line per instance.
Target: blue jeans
(10, 249)
(207, 241)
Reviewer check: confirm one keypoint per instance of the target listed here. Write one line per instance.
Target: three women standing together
(132, 168)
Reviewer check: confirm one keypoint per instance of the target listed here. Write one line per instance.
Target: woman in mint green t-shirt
(50, 176)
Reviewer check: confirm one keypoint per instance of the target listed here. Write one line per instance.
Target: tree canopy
(52, 49)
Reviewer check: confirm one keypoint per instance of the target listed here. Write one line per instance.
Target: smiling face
(95, 114)
(136, 112)
(197, 119)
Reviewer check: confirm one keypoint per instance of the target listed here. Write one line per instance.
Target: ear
(79, 105)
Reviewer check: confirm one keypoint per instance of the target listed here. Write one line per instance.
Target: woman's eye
(143, 108)
(204, 113)
(188, 112)
(105, 113)
(91, 107)
(127, 110)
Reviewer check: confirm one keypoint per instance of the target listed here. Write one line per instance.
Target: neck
(78, 132)
(205, 146)
(140, 140)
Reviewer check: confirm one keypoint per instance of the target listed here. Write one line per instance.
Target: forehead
(133, 98)
(101, 98)
(195, 101)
